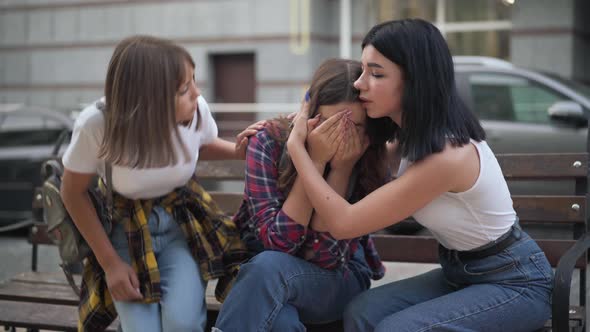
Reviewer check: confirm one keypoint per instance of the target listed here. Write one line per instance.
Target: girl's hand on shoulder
(242, 138)
(351, 148)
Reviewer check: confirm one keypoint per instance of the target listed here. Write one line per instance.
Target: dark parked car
(27, 138)
(522, 110)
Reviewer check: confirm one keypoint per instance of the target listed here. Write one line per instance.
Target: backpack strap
(109, 184)
(59, 142)
(67, 268)
(108, 170)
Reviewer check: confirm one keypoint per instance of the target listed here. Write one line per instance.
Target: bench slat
(558, 209)
(44, 278)
(61, 294)
(424, 249)
(220, 170)
(228, 202)
(514, 166)
(538, 209)
(42, 316)
(52, 288)
(543, 166)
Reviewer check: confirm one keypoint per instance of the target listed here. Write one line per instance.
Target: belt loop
(517, 230)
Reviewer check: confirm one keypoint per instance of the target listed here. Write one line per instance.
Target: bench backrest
(567, 210)
(564, 210)
(558, 210)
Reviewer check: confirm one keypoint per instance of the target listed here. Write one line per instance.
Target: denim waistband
(488, 249)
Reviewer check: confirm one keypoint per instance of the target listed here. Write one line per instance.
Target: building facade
(54, 53)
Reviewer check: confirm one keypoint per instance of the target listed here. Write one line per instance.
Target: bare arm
(121, 279)
(77, 202)
(297, 205)
(338, 180)
(219, 149)
(387, 205)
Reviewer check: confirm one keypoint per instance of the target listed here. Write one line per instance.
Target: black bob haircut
(432, 112)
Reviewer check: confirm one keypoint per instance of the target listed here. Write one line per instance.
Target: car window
(29, 130)
(511, 98)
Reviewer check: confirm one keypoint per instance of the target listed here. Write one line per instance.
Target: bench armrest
(562, 283)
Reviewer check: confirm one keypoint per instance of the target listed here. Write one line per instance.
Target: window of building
(472, 27)
(494, 43)
(476, 10)
(399, 9)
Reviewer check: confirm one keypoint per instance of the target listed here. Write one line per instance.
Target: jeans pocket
(540, 262)
(489, 265)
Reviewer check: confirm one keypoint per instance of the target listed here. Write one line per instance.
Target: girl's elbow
(339, 233)
(287, 248)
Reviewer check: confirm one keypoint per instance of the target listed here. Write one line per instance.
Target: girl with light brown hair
(300, 273)
(168, 237)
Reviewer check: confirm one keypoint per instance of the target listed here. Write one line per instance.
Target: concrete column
(345, 29)
(552, 36)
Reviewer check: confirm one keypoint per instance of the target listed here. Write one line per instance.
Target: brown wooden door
(234, 82)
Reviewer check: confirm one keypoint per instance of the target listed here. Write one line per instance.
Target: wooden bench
(48, 292)
(563, 211)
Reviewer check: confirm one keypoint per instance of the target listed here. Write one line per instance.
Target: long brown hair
(142, 81)
(332, 83)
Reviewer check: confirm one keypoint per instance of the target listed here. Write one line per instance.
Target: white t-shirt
(472, 218)
(82, 155)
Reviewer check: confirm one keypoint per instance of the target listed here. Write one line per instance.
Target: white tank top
(472, 218)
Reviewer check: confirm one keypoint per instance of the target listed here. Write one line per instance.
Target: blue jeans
(509, 291)
(276, 291)
(182, 306)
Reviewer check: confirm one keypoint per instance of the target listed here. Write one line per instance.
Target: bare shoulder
(456, 155)
(451, 163)
(461, 164)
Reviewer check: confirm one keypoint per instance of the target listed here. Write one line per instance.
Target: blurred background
(521, 65)
(54, 53)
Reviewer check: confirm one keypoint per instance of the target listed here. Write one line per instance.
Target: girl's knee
(354, 316)
(138, 316)
(267, 263)
(183, 321)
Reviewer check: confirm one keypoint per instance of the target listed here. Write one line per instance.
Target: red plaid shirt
(261, 216)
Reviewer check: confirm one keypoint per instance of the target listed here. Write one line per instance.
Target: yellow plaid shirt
(212, 236)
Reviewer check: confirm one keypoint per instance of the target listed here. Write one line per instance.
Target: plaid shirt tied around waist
(212, 237)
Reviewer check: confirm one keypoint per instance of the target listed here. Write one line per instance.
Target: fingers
(251, 130)
(245, 134)
(259, 125)
(304, 111)
(123, 283)
(331, 126)
(313, 122)
(338, 131)
(355, 139)
(134, 283)
(241, 144)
